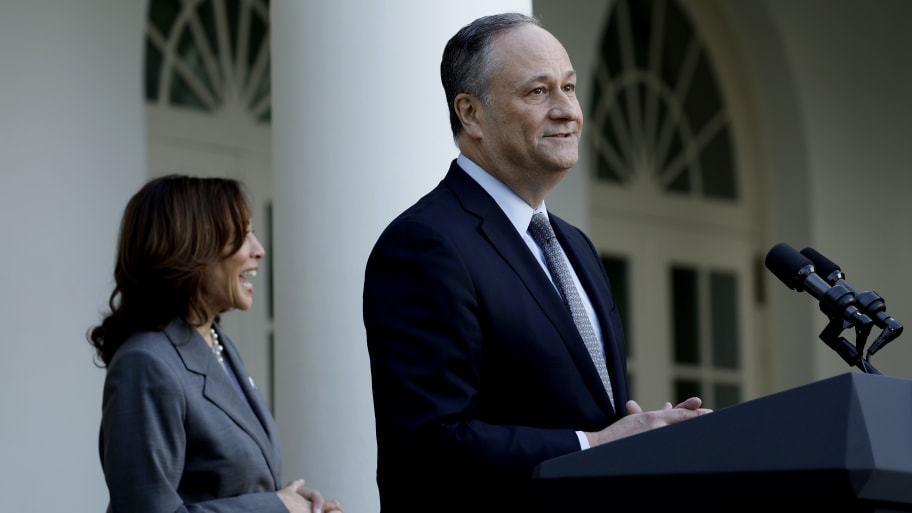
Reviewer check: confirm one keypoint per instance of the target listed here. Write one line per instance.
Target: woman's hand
(299, 498)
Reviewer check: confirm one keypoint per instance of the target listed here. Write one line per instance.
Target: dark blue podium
(843, 443)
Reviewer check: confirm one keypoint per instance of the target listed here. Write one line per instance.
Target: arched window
(658, 112)
(209, 55)
(669, 212)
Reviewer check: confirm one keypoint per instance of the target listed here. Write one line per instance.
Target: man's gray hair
(466, 66)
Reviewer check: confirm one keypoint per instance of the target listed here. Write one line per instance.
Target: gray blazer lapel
(255, 401)
(219, 388)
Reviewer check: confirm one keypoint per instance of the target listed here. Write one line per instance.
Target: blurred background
(714, 130)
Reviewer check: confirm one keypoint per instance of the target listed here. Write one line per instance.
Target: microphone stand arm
(875, 306)
(831, 335)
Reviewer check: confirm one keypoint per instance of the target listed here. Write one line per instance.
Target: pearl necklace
(216, 346)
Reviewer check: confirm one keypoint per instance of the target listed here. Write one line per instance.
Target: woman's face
(227, 283)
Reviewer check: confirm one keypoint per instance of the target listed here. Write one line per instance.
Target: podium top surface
(849, 435)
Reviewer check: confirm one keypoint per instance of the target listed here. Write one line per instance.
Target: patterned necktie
(541, 232)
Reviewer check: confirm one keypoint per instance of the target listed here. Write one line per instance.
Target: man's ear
(468, 108)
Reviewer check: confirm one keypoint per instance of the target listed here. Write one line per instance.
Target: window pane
(641, 29)
(206, 14)
(652, 63)
(201, 67)
(685, 388)
(726, 395)
(724, 308)
(153, 71)
(162, 14)
(717, 163)
(181, 94)
(190, 54)
(616, 268)
(233, 8)
(263, 88)
(703, 100)
(685, 315)
(676, 41)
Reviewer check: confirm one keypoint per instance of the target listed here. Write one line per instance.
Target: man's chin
(564, 163)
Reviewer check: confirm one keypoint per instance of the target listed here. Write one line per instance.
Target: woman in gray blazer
(183, 427)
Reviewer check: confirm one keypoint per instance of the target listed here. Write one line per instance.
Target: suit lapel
(220, 389)
(253, 396)
(576, 247)
(501, 233)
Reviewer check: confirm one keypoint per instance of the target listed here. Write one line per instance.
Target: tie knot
(540, 229)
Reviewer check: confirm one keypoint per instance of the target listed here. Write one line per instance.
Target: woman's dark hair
(171, 230)
(467, 67)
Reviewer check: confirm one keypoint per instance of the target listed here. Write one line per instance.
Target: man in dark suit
(478, 370)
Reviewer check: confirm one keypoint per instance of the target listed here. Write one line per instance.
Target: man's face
(534, 123)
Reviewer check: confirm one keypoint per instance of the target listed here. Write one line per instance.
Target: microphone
(871, 304)
(798, 273)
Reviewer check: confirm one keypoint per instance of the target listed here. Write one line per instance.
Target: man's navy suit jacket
(478, 370)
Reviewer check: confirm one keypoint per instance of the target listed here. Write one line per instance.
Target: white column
(360, 131)
(71, 151)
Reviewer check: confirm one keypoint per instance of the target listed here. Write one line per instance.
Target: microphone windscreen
(786, 263)
(823, 265)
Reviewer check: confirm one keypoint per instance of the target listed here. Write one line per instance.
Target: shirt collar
(517, 210)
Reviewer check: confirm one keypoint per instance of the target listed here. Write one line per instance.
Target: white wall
(854, 76)
(71, 151)
(781, 157)
(830, 81)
